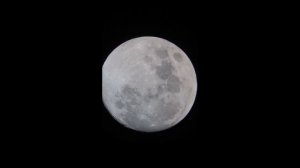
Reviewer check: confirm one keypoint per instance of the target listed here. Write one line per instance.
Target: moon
(148, 84)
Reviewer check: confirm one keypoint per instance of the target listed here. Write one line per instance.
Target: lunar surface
(148, 84)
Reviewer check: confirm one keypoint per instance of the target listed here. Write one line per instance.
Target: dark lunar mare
(162, 53)
(164, 70)
(129, 100)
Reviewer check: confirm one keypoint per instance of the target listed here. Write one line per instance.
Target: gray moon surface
(148, 84)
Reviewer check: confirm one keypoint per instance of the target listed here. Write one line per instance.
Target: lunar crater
(148, 59)
(178, 57)
(119, 104)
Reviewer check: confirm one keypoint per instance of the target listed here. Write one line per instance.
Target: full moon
(148, 84)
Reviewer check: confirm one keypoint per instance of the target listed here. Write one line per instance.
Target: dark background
(58, 79)
(224, 47)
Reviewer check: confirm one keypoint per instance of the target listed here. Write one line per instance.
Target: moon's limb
(148, 84)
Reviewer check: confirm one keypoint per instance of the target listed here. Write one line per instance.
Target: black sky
(221, 45)
(61, 83)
